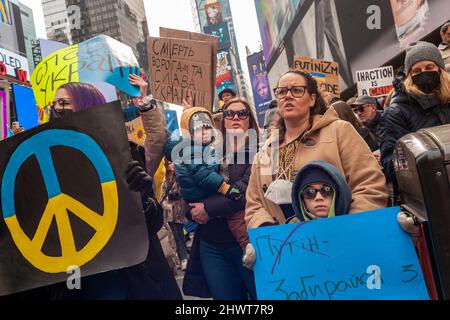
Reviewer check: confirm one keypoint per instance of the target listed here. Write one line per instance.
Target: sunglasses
(296, 91)
(310, 193)
(359, 109)
(242, 114)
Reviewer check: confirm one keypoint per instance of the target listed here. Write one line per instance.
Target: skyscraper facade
(29, 32)
(74, 21)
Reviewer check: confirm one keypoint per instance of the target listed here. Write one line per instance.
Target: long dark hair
(83, 95)
(346, 113)
(319, 108)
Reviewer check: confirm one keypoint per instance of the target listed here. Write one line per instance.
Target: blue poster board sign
(364, 256)
(25, 102)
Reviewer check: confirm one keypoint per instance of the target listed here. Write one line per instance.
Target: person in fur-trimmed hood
(319, 191)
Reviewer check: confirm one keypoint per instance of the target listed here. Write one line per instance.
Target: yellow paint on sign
(58, 68)
(58, 208)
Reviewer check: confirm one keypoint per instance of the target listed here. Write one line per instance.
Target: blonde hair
(443, 93)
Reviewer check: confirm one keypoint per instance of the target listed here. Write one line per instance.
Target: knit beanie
(420, 51)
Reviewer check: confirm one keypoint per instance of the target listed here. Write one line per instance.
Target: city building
(29, 32)
(73, 21)
(57, 20)
(195, 17)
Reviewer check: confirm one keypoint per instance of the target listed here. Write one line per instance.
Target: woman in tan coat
(308, 131)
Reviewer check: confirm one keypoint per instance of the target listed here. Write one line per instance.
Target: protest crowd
(201, 188)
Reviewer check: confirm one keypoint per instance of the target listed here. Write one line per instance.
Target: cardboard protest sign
(352, 257)
(100, 59)
(325, 72)
(375, 82)
(27, 114)
(134, 125)
(211, 40)
(64, 201)
(180, 68)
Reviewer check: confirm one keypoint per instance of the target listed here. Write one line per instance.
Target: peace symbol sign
(59, 204)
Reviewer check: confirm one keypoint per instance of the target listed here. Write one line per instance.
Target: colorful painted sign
(64, 202)
(364, 256)
(325, 72)
(100, 59)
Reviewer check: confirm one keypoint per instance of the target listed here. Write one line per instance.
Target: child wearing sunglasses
(319, 192)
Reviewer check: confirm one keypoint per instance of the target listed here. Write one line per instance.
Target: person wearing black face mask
(420, 101)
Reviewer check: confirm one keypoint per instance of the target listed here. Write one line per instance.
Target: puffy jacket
(407, 113)
(196, 180)
(197, 170)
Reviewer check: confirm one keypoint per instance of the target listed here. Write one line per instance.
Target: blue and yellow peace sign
(59, 203)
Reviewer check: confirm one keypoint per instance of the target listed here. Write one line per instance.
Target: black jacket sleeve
(393, 126)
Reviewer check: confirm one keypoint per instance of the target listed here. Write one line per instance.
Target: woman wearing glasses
(308, 131)
(215, 268)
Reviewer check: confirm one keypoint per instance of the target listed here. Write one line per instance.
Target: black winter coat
(216, 230)
(407, 113)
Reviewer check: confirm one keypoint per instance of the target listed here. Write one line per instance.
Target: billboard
(224, 67)
(5, 12)
(221, 31)
(214, 13)
(262, 94)
(11, 30)
(13, 65)
(275, 17)
(343, 31)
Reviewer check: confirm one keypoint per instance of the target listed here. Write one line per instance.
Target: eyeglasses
(296, 91)
(63, 102)
(310, 193)
(242, 114)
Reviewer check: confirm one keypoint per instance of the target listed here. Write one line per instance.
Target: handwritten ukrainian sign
(100, 59)
(365, 256)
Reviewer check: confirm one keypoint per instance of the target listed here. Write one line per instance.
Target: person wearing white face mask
(308, 131)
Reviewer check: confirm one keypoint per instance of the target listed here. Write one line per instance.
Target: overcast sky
(177, 14)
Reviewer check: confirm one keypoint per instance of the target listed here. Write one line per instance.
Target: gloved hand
(249, 257)
(234, 193)
(138, 180)
(407, 222)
